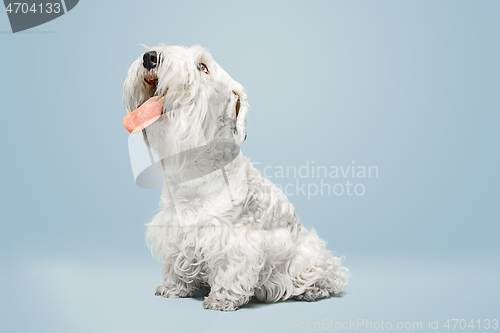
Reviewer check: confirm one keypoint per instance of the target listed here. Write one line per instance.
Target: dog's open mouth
(151, 78)
(145, 115)
(150, 110)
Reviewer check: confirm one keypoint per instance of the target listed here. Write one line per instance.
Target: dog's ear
(240, 112)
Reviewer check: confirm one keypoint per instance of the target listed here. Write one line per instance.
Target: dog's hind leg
(316, 273)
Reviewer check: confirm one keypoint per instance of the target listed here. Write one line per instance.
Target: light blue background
(411, 87)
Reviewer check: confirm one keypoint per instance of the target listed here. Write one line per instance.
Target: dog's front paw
(213, 303)
(170, 293)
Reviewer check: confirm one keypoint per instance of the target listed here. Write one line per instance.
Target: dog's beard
(140, 85)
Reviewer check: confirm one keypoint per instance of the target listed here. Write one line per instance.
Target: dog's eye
(203, 67)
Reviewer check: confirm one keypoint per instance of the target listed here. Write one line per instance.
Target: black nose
(150, 60)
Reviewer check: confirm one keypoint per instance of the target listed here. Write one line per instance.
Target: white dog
(222, 228)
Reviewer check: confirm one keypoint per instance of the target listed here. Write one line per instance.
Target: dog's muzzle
(150, 60)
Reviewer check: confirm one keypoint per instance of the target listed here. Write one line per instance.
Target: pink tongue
(144, 116)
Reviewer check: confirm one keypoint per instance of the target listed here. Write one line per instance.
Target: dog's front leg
(226, 299)
(233, 279)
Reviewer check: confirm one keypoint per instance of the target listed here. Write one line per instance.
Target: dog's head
(198, 94)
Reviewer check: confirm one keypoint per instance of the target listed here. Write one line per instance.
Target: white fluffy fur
(253, 246)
